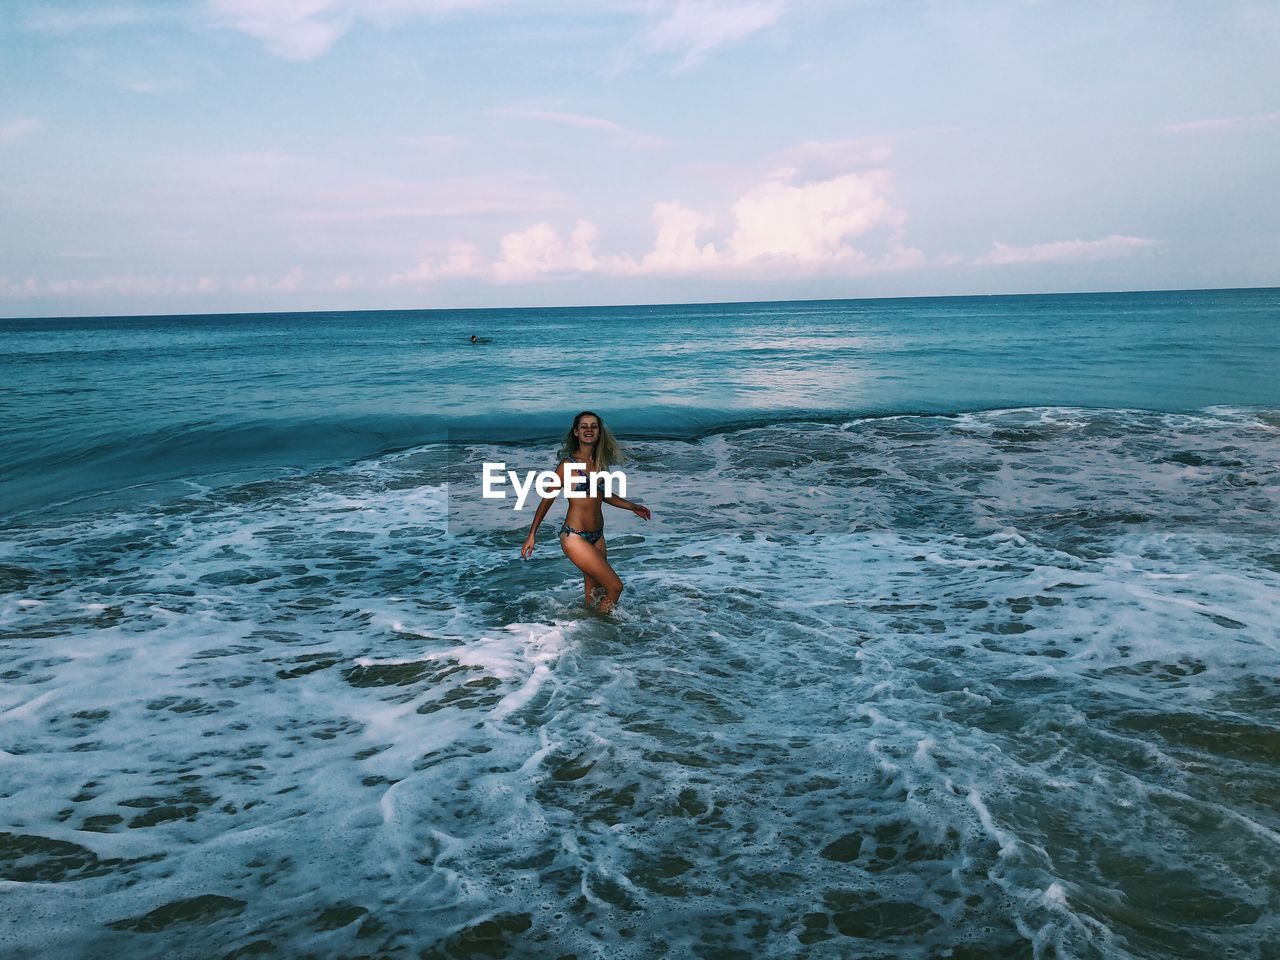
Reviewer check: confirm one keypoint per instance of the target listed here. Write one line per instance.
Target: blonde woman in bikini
(582, 533)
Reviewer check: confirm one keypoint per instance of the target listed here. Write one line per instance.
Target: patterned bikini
(591, 536)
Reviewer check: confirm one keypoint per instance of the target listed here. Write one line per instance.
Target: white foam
(935, 673)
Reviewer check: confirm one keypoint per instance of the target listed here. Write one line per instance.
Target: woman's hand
(527, 550)
(641, 511)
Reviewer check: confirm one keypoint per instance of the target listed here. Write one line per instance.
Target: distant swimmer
(475, 339)
(582, 534)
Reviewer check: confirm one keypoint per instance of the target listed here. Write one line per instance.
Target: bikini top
(582, 483)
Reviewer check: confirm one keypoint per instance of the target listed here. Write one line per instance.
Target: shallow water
(995, 684)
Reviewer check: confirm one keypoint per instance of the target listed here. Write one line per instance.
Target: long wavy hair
(607, 451)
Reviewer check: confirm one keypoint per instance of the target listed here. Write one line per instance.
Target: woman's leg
(592, 585)
(589, 587)
(594, 566)
(611, 598)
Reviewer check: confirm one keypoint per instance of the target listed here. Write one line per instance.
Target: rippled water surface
(959, 684)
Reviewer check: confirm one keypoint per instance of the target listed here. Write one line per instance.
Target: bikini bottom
(591, 536)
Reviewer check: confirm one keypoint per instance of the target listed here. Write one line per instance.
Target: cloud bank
(782, 228)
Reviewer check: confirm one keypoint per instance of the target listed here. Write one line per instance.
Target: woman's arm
(639, 509)
(538, 515)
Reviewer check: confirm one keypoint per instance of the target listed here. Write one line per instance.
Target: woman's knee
(610, 580)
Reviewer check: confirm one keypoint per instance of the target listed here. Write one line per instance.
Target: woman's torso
(585, 513)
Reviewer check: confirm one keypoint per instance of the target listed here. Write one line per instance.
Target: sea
(955, 634)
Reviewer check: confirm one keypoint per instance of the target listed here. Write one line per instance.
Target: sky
(206, 156)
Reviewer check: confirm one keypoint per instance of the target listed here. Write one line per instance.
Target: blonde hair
(606, 453)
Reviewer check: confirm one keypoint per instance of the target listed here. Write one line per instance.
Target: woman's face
(587, 430)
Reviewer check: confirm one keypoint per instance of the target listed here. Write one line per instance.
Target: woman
(582, 534)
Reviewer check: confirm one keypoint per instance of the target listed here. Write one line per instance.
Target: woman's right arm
(527, 550)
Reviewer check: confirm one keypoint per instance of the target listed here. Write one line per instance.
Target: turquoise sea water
(94, 405)
(953, 634)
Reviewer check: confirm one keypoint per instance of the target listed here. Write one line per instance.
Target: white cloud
(675, 247)
(692, 29)
(1224, 123)
(782, 227)
(19, 128)
(1067, 251)
(462, 260)
(810, 223)
(817, 213)
(540, 251)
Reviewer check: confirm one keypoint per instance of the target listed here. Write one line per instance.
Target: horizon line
(623, 306)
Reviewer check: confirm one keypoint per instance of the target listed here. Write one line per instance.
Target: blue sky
(227, 155)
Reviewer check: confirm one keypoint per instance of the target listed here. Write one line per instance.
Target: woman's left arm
(639, 509)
